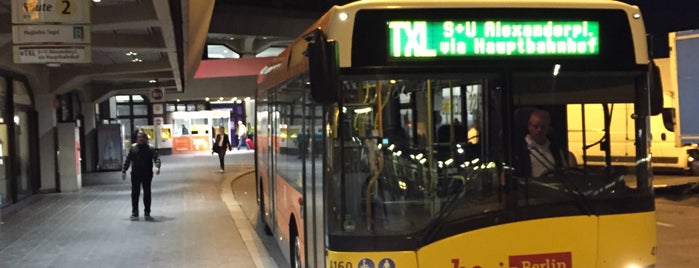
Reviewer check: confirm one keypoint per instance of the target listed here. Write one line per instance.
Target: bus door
(312, 212)
(272, 152)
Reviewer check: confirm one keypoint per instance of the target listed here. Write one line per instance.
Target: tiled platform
(197, 221)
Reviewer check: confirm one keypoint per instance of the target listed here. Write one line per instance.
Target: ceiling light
(96, 1)
(152, 81)
(362, 110)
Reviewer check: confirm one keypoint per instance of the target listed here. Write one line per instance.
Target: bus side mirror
(669, 118)
(323, 67)
(656, 91)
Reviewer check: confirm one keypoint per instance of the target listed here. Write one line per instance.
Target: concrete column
(89, 115)
(47, 150)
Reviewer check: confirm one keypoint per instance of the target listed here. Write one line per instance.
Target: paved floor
(198, 221)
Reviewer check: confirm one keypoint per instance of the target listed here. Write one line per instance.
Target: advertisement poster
(109, 147)
(181, 144)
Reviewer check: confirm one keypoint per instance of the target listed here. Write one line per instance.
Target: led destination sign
(448, 38)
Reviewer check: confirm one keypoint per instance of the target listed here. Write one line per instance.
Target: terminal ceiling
(169, 38)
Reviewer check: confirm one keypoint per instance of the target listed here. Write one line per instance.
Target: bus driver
(544, 155)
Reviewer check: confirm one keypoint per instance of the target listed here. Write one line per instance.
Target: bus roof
(338, 23)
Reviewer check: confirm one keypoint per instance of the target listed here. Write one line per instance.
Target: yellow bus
(393, 133)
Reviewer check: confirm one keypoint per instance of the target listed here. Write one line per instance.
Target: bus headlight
(693, 161)
(633, 265)
(693, 155)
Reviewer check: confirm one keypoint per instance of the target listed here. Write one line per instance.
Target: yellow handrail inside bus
(371, 186)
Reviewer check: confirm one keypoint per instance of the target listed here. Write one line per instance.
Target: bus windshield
(410, 156)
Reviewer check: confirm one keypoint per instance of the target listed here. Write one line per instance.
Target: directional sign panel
(50, 11)
(50, 33)
(52, 53)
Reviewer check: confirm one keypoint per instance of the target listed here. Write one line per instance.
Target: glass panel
(576, 138)
(121, 98)
(140, 122)
(169, 107)
(191, 107)
(3, 163)
(313, 136)
(221, 52)
(182, 127)
(264, 140)
(222, 122)
(140, 109)
(407, 170)
(4, 194)
(270, 52)
(289, 144)
(23, 164)
(180, 107)
(200, 121)
(129, 137)
(123, 110)
(137, 98)
(20, 93)
(407, 152)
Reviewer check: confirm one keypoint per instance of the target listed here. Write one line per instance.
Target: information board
(50, 11)
(52, 54)
(51, 33)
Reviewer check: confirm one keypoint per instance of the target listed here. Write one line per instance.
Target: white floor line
(255, 247)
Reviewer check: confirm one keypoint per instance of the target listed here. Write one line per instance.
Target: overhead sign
(52, 53)
(51, 33)
(50, 11)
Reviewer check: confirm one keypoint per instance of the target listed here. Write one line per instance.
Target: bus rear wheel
(261, 194)
(295, 251)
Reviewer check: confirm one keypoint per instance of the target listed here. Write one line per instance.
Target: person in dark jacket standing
(221, 144)
(143, 156)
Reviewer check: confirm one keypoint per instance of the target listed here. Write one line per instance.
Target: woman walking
(221, 144)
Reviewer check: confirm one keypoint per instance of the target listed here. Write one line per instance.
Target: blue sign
(387, 263)
(365, 263)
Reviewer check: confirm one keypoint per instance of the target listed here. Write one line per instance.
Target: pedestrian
(185, 131)
(242, 133)
(143, 156)
(221, 144)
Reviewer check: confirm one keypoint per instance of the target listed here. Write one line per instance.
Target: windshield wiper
(447, 208)
(571, 188)
(458, 191)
